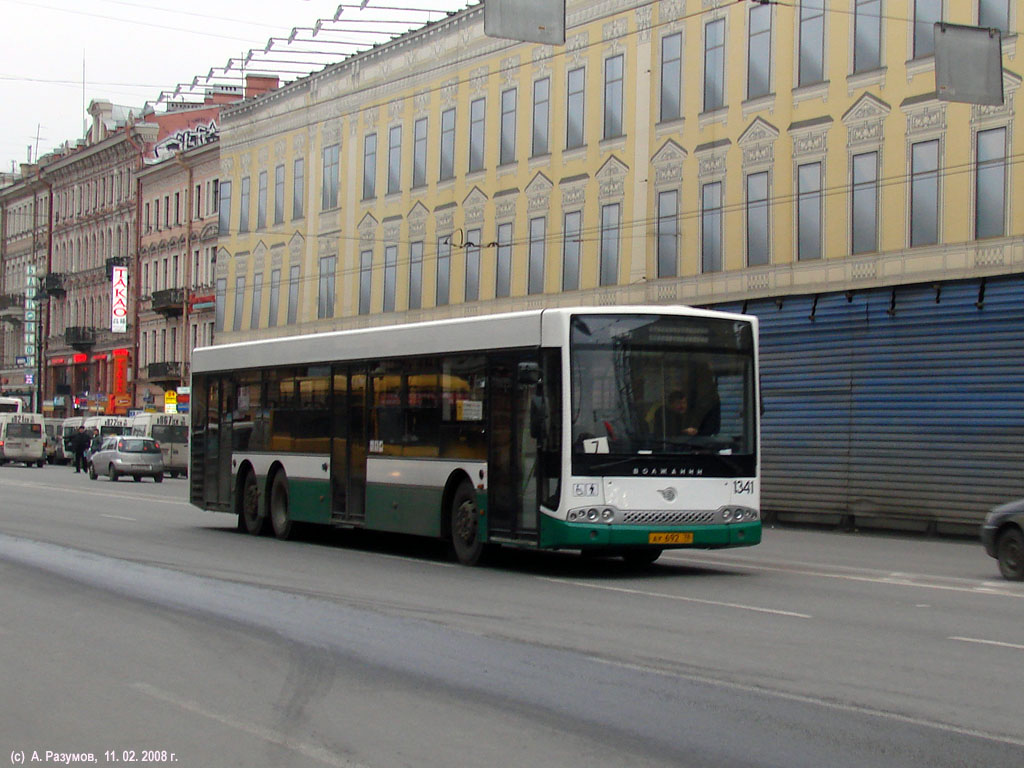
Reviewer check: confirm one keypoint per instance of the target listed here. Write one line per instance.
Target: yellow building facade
(696, 152)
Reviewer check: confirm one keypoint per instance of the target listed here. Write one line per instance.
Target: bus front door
(512, 460)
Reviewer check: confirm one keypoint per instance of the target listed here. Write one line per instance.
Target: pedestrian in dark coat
(80, 444)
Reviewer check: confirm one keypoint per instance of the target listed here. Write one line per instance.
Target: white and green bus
(551, 429)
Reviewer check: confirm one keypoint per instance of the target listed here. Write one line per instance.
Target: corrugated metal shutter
(893, 409)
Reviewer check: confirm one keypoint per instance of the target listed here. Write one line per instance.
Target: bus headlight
(604, 515)
(739, 514)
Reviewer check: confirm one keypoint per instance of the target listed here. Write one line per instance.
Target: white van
(22, 438)
(171, 431)
(12, 405)
(98, 427)
(68, 427)
(54, 441)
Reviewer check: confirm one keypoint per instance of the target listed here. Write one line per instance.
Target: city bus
(544, 429)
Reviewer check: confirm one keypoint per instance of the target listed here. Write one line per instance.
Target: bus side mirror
(528, 374)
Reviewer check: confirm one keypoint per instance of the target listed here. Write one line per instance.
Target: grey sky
(134, 49)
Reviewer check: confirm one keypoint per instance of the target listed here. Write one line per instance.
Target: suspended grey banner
(531, 21)
(968, 64)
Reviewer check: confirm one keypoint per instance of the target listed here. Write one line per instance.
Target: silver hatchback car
(125, 455)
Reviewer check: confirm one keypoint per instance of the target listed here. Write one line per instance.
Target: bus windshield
(662, 387)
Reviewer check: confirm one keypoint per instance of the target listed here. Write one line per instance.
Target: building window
(808, 213)
(867, 35)
(298, 189)
(609, 267)
(365, 281)
(325, 287)
(415, 274)
(447, 144)
(507, 148)
(924, 193)
(994, 13)
(419, 152)
(390, 276)
(990, 184)
(279, 194)
(243, 216)
(257, 300)
(571, 250)
(812, 42)
(329, 191)
(864, 203)
(574, 108)
(541, 116)
(220, 297)
(668, 233)
(759, 51)
(757, 219)
(503, 271)
(293, 294)
(261, 201)
(476, 134)
(395, 159)
(275, 297)
(370, 166)
(538, 249)
(613, 96)
(177, 207)
(671, 76)
(711, 227)
(473, 264)
(714, 65)
(444, 271)
(926, 14)
(236, 324)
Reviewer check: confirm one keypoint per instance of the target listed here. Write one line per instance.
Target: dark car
(1003, 536)
(125, 455)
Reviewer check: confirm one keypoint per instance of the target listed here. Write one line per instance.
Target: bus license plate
(670, 538)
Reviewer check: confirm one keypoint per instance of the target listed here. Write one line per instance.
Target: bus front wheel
(249, 517)
(465, 525)
(279, 517)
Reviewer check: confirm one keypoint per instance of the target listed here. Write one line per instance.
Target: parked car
(1003, 536)
(125, 455)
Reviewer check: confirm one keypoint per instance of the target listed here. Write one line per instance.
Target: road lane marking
(97, 492)
(303, 748)
(118, 517)
(817, 701)
(681, 598)
(894, 578)
(978, 640)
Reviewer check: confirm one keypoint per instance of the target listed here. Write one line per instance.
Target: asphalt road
(131, 621)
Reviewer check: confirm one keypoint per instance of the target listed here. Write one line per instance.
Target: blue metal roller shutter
(905, 410)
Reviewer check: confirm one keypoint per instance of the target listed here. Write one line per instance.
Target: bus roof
(467, 334)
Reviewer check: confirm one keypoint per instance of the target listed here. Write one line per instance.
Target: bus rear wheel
(465, 525)
(280, 519)
(249, 517)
